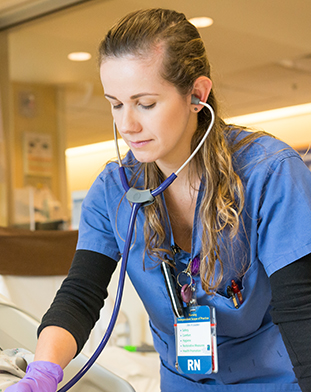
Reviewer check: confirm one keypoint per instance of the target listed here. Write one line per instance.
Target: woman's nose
(128, 123)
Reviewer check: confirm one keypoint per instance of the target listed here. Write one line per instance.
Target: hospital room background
(56, 131)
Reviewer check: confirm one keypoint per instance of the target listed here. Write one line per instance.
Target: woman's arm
(77, 304)
(67, 324)
(55, 349)
(56, 345)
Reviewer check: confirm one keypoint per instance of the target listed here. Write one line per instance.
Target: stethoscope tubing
(116, 308)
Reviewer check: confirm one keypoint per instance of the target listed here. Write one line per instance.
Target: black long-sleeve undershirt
(78, 302)
(291, 301)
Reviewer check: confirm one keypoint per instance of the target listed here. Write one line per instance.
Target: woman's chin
(142, 158)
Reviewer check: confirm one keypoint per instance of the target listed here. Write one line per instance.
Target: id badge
(195, 336)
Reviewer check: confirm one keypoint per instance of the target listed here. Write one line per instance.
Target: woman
(241, 210)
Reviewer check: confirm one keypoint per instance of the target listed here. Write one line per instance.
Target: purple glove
(40, 376)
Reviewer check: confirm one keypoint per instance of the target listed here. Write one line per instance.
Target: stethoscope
(138, 198)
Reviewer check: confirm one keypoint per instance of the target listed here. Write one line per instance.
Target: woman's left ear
(201, 89)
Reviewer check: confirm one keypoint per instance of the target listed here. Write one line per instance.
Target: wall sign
(38, 154)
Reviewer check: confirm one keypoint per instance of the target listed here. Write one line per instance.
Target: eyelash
(148, 106)
(143, 106)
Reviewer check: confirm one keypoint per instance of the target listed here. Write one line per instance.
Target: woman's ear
(201, 89)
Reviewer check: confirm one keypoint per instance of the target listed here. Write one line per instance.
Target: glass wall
(50, 103)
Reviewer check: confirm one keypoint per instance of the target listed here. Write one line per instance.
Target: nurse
(238, 217)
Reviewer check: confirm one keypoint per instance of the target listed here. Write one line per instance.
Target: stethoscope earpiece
(195, 100)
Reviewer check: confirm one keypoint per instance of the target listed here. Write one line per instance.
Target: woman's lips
(140, 144)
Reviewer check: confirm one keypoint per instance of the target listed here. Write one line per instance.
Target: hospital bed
(18, 330)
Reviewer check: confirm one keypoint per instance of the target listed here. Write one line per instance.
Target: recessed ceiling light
(79, 56)
(202, 21)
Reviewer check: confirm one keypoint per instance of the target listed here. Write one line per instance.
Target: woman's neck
(180, 200)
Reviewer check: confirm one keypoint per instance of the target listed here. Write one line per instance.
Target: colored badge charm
(186, 293)
(195, 266)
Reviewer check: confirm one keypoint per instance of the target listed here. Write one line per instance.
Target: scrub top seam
(288, 258)
(106, 251)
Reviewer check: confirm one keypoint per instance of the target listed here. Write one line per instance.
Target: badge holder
(195, 335)
(196, 345)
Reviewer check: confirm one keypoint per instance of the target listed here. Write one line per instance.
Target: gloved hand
(40, 376)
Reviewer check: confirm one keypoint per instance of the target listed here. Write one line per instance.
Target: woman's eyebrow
(142, 95)
(132, 97)
(110, 96)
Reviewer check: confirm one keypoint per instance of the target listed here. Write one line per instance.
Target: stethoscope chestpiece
(144, 196)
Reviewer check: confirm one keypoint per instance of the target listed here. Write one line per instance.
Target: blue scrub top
(276, 218)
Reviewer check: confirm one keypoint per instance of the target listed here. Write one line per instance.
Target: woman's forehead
(133, 69)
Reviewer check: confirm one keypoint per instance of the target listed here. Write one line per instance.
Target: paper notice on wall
(38, 154)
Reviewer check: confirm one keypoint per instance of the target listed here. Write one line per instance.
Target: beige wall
(42, 121)
(84, 164)
(294, 130)
(5, 100)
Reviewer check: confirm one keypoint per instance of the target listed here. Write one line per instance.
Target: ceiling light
(79, 56)
(202, 21)
(271, 115)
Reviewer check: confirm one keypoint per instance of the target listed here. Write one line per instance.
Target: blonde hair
(184, 60)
